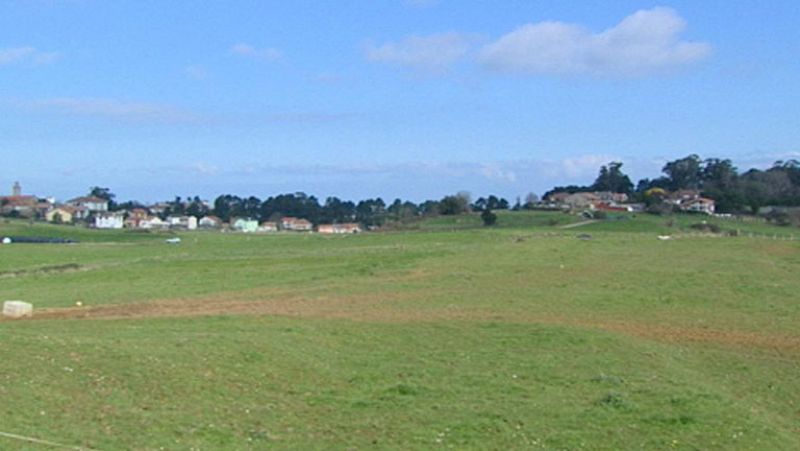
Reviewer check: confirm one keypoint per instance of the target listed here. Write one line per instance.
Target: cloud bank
(646, 42)
(268, 54)
(26, 55)
(112, 109)
(433, 53)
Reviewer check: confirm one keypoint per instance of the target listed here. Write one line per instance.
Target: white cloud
(204, 168)
(497, 172)
(248, 51)
(433, 53)
(26, 55)
(112, 109)
(582, 165)
(645, 42)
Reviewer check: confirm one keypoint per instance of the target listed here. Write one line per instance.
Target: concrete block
(17, 309)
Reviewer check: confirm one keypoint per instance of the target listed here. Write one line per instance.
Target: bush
(705, 227)
(661, 209)
(489, 218)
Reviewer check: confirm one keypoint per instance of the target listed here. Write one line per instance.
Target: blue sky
(392, 98)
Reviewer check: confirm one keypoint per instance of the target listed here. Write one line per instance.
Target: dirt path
(578, 224)
(388, 309)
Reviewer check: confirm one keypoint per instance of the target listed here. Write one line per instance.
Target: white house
(153, 223)
(182, 222)
(91, 203)
(209, 222)
(337, 229)
(268, 226)
(109, 220)
(245, 225)
(296, 224)
(700, 205)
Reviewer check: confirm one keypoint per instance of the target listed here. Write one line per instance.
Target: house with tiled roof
(92, 204)
(337, 229)
(18, 203)
(296, 224)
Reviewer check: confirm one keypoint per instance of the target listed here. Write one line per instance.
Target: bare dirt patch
(391, 308)
(52, 269)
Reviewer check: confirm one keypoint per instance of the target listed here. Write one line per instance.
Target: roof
(67, 208)
(12, 201)
(88, 200)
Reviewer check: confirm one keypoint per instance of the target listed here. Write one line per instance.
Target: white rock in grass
(17, 309)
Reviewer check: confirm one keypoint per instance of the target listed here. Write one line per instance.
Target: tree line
(368, 212)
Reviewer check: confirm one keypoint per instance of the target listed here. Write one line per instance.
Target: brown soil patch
(390, 308)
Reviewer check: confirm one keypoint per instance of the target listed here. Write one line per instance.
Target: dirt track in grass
(391, 308)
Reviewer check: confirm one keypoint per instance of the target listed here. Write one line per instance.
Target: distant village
(687, 200)
(690, 185)
(94, 211)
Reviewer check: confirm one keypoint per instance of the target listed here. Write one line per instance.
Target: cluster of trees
(720, 180)
(369, 212)
(715, 178)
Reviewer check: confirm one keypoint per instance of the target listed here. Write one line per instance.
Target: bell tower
(16, 190)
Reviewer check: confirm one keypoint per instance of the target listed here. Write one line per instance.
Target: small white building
(209, 222)
(296, 224)
(245, 225)
(91, 203)
(109, 220)
(700, 205)
(153, 223)
(338, 229)
(182, 222)
(268, 226)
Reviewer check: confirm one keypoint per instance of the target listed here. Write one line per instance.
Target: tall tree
(685, 173)
(611, 178)
(105, 194)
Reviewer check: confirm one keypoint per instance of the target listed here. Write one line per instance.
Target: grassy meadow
(445, 335)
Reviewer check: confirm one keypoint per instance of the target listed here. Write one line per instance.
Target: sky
(414, 99)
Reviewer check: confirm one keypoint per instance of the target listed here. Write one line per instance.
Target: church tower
(16, 190)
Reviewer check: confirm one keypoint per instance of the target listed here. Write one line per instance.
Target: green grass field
(449, 335)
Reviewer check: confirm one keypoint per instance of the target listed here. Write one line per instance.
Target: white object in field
(173, 241)
(6, 240)
(664, 237)
(17, 309)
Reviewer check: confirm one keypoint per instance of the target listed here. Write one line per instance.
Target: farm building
(296, 224)
(347, 228)
(109, 220)
(246, 225)
(209, 222)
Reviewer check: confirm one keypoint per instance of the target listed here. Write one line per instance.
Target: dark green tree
(105, 194)
(488, 218)
(685, 173)
(611, 178)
